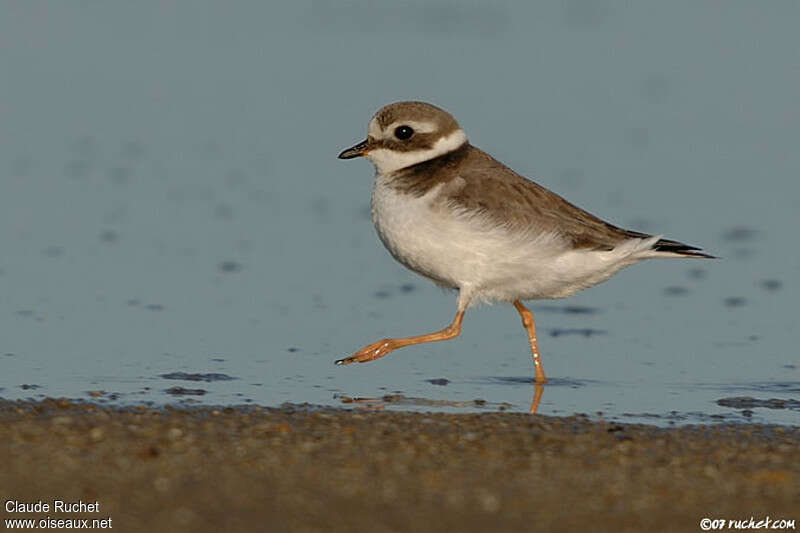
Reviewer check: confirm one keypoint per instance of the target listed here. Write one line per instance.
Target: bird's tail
(680, 249)
(667, 247)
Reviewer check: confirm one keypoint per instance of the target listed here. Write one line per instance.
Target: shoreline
(325, 469)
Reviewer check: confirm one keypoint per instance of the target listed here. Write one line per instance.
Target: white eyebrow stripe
(376, 132)
(417, 125)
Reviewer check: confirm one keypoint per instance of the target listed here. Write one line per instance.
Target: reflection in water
(750, 407)
(538, 390)
(401, 400)
(552, 382)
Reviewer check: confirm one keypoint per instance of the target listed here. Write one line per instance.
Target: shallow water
(170, 203)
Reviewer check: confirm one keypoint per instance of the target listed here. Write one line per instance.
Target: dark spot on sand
(109, 236)
(676, 291)
(318, 301)
(585, 332)
(438, 381)
(184, 376)
(408, 287)
(697, 273)
(771, 285)
(739, 234)
(747, 402)
(292, 349)
(150, 452)
(229, 267)
(579, 310)
(568, 309)
(735, 301)
(180, 391)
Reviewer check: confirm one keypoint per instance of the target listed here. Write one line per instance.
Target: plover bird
(455, 215)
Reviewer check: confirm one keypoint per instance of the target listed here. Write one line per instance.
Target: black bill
(354, 151)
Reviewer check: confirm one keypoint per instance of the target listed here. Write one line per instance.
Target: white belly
(487, 262)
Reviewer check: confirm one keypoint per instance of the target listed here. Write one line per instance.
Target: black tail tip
(675, 247)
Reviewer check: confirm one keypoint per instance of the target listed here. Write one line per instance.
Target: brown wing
(502, 194)
(483, 184)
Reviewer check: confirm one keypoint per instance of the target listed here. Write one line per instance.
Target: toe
(374, 351)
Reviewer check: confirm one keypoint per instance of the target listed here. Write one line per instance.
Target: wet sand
(299, 469)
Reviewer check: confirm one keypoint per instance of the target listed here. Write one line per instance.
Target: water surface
(170, 203)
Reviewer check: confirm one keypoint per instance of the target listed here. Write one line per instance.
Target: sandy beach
(302, 469)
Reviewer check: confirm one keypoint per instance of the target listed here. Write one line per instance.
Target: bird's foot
(373, 351)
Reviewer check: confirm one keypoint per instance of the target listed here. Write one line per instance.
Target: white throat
(387, 161)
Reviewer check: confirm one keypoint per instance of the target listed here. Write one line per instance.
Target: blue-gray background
(170, 199)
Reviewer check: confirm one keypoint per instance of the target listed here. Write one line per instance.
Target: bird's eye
(403, 133)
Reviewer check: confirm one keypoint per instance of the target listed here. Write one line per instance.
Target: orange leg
(530, 325)
(378, 349)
